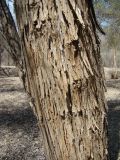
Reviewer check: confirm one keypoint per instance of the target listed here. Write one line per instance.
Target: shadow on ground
(114, 129)
(18, 119)
(20, 137)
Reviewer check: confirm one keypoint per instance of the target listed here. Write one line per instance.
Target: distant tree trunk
(8, 60)
(115, 62)
(9, 38)
(1, 50)
(64, 76)
(0, 59)
(114, 58)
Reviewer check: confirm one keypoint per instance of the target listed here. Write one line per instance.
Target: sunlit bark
(64, 76)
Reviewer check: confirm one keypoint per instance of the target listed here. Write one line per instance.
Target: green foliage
(108, 10)
(100, 8)
(113, 37)
(108, 13)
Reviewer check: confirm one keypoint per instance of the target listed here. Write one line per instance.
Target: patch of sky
(11, 7)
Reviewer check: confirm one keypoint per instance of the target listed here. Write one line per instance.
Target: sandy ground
(20, 137)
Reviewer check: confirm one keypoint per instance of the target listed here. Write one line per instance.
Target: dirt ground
(20, 137)
(113, 101)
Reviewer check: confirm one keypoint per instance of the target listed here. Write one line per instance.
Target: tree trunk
(64, 76)
(9, 38)
(114, 58)
(114, 62)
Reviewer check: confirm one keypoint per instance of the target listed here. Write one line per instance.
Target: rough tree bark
(64, 76)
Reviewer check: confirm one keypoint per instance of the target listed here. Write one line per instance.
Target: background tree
(108, 12)
(9, 39)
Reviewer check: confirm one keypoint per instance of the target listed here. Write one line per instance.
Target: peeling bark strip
(9, 34)
(64, 76)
